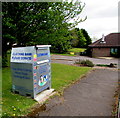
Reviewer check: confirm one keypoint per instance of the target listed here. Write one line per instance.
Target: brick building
(106, 46)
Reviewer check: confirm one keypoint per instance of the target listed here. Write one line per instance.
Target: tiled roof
(111, 40)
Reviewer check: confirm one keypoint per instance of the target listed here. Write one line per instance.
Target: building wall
(100, 52)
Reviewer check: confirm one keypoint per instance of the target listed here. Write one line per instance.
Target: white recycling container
(30, 69)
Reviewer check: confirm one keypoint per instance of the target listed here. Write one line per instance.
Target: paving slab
(91, 96)
(41, 97)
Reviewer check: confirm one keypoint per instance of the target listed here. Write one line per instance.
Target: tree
(77, 38)
(38, 23)
(58, 31)
(82, 40)
(20, 21)
(87, 37)
(73, 37)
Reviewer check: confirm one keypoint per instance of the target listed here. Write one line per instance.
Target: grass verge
(65, 54)
(16, 105)
(62, 75)
(77, 50)
(72, 52)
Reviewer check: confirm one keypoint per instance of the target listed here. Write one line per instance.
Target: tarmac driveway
(91, 96)
(72, 59)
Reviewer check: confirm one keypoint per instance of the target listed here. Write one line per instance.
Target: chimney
(103, 39)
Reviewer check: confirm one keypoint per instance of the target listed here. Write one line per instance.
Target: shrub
(78, 61)
(112, 65)
(4, 61)
(105, 65)
(89, 63)
(102, 65)
(85, 63)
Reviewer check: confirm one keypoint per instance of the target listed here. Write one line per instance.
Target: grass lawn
(77, 50)
(17, 105)
(73, 50)
(63, 75)
(65, 54)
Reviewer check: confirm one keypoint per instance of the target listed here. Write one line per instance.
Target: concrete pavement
(91, 96)
(72, 59)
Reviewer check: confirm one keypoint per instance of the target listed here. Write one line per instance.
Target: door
(43, 77)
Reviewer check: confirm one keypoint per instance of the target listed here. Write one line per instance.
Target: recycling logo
(43, 80)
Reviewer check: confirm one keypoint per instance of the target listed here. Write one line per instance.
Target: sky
(102, 17)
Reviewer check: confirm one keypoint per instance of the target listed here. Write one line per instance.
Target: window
(116, 50)
(113, 50)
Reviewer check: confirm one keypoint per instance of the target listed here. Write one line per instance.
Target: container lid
(22, 54)
(42, 46)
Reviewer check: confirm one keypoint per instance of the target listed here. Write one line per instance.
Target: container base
(41, 97)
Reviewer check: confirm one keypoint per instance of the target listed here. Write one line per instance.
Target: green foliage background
(79, 38)
(31, 23)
